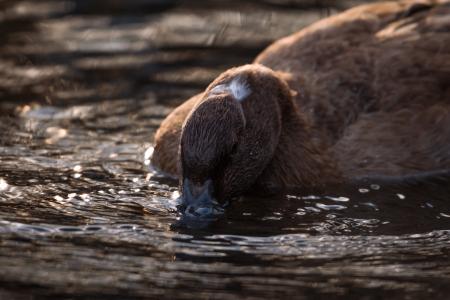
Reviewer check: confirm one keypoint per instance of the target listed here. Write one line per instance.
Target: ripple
(69, 229)
(338, 199)
(401, 196)
(330, 206)
(3, 185)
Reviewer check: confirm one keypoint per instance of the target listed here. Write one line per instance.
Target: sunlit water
(82, 216)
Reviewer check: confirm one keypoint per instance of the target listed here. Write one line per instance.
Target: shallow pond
(82, 215)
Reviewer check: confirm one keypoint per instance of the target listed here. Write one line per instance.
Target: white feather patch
(238, 88)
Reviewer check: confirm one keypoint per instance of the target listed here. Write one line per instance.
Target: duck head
(230, 136)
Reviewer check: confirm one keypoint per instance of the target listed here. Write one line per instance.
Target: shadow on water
(83, 87)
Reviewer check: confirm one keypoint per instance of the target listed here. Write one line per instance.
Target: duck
(362, 93)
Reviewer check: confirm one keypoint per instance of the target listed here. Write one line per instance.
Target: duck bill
(198, 199)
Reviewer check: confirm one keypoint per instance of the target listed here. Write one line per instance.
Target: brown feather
(365, 92)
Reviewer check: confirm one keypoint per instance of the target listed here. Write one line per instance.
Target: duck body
(363, 93)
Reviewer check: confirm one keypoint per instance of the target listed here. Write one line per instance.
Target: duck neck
(300, 160)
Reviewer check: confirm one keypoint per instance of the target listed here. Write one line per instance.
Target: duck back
(374, 82)
(373, 88)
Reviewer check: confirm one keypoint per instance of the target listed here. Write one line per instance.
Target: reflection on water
(82, 215)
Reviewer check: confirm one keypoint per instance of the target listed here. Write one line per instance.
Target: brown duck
(362, 93)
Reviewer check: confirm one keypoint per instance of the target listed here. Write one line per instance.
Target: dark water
(82, 216)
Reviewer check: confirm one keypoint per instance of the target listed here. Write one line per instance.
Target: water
(82, 215)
